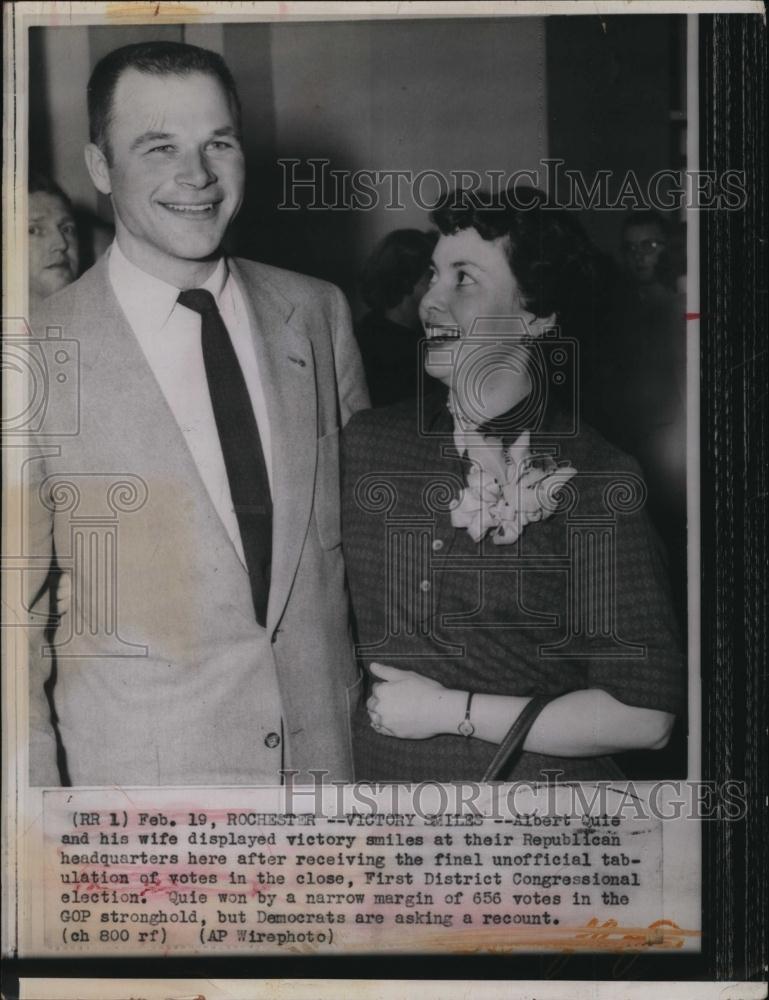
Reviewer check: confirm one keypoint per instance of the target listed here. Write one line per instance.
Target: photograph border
(733, 552)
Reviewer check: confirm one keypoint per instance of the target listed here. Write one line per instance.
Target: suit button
(271, 740)
(424, 585)
(437, 544)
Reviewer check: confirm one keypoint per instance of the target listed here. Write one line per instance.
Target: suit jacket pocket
(327, 497)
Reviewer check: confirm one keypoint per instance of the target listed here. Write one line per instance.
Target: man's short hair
(155, 58)
(645, 217)
(549, 253)
(40, 182)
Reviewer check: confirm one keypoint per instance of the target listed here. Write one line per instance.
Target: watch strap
(465, 727)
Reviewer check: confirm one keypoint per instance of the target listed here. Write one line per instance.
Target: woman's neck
(498, 394)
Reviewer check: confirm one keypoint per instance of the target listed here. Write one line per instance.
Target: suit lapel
(287, 374)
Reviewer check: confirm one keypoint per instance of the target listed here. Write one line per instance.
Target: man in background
(646, 252)
(53, 248)
(642, 378)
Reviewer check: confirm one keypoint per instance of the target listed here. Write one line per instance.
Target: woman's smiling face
(470, 280)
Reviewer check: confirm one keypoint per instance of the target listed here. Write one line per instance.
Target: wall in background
(614, 101)
(435, 96)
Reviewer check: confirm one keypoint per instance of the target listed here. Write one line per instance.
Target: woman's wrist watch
(465, 727)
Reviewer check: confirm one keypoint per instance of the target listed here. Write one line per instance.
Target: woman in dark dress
(496, 547)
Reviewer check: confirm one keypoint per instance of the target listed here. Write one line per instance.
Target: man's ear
(98, 168)
(538, 324)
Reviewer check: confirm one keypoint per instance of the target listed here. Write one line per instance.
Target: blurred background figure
(54, 252)
(393, 282)
(648, 397)
(647, 253)
(643, 377)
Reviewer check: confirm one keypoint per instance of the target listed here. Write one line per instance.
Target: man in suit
(202, 631)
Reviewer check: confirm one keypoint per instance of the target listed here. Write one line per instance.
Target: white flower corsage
(507, 488)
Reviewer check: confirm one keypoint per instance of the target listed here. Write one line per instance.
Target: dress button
(271, 740)
(437, 544)
(424, 585)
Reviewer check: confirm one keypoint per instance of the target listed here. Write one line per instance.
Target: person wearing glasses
(646, 256)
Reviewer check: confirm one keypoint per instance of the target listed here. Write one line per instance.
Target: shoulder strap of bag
(515, 737)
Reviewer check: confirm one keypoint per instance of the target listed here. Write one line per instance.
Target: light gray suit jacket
(162, 675)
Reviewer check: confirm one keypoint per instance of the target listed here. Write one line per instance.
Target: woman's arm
(586, 723)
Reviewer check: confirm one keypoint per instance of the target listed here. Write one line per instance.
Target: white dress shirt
(169, 335)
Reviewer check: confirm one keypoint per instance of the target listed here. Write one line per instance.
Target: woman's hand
(412, 707)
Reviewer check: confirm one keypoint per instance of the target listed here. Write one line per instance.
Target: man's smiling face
(175, 171)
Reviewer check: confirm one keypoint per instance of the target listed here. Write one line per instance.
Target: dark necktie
(241, 444)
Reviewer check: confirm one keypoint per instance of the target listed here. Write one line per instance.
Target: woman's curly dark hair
(550, 255)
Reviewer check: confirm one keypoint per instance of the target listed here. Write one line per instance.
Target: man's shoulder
(294, 287)
(81, 295)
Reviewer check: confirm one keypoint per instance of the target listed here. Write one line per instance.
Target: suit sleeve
(350, 379)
